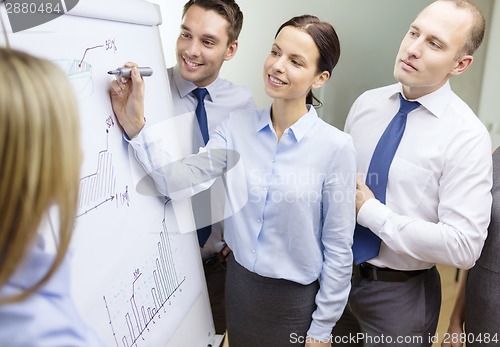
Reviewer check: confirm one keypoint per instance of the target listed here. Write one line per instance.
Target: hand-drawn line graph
(148, 300)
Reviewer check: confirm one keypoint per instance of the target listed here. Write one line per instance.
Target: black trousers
(215, 275)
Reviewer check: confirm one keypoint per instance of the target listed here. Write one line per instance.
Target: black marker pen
(125, 71)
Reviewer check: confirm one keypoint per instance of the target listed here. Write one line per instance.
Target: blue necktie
(201, 202)
(366, 244)
(201, 112)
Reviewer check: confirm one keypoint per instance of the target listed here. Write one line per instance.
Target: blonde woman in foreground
(40, 157)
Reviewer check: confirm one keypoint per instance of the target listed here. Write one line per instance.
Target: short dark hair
(228, 9)
(326, 39)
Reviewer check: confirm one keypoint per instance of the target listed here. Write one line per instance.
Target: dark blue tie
(201, 202)
(366, 244)
(201, 112)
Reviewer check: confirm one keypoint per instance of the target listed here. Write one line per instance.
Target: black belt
(375, 273)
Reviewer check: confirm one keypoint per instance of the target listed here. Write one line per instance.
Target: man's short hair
(228, 9)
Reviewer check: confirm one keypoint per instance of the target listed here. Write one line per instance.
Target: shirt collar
(186, 87)
(299, 129)
(435, 102)
(264, 119)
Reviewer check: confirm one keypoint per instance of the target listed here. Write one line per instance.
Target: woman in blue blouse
(40, 157)
(289, 279)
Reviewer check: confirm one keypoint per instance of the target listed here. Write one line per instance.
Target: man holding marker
(208, 37)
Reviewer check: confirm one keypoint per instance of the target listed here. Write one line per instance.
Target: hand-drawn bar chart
(99, 187)
(147, 302)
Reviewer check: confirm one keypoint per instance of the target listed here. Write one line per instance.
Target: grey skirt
(262, 311)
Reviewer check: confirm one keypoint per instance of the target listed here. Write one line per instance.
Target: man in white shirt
(208, 36)
(438, 200)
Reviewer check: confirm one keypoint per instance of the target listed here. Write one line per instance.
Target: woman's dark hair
(325, 38)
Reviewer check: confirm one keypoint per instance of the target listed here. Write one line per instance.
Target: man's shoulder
(379, 91)
(170, 73)
(175, 83)
(464, 116)
(224, 85)
(374, 96)
(232, 95)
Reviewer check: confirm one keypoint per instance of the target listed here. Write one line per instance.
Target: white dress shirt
(438, 194)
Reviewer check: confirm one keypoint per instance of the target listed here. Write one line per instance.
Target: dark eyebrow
(298, 56)
(435, 38)
(293, 56)
(210, 37)
(204, 36)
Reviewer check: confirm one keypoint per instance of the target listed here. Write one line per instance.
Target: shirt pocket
(407, 185)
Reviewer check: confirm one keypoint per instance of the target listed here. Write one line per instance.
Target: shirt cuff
(319, 332)
(137, 141)
(128, 139)
(373, 215)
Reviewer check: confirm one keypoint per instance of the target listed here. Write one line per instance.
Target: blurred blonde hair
(40, 157)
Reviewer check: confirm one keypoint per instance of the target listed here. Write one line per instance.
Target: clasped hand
(363, 193)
